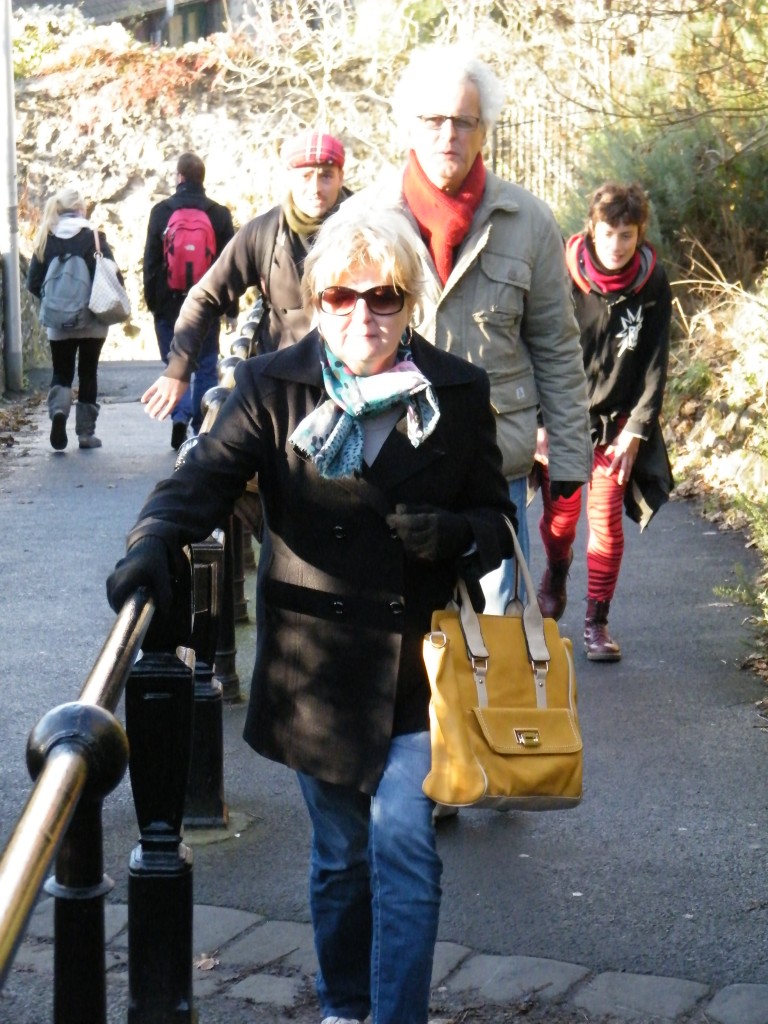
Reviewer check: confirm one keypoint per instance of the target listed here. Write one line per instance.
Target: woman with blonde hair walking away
(75, 336)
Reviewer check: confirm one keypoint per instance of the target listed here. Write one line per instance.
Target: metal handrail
(80, 750)
(35, 841)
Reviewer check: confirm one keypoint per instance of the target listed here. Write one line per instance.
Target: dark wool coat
(340, 609)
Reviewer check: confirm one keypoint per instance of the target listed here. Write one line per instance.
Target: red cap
(311, 149)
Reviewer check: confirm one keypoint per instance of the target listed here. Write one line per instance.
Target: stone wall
(123, 157)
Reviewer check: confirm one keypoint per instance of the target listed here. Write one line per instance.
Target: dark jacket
(161, 301)
(265, 254)
(340, 611)
(625, 341)
(82, 244)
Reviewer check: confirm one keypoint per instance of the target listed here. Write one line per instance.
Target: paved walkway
(248, 967)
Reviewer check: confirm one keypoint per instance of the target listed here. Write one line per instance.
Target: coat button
(339, 532)
(338, 607)
(396, 607)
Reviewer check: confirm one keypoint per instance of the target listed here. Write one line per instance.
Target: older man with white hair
(497, 291)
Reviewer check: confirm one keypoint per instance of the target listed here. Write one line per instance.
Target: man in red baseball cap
(315, 164)
(266, 253)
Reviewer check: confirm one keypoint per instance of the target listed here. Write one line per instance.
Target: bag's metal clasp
(528, 737)
(438, 639)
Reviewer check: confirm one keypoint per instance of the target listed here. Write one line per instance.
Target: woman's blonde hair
(67, 200)
(380, 239)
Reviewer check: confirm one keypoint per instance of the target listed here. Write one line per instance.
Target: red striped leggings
(605, 509)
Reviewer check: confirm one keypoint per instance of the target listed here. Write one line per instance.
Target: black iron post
(241, 347)
(79, 884)
(225, 669)
(239, 601)
(249, 556)
(159, 700)
(204, 806)
(226, 370)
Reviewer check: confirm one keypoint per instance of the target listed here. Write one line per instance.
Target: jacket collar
(300, 363)
(398, 459)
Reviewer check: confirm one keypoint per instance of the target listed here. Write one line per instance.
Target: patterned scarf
(331, 437)
(443, 220)
(590, 275)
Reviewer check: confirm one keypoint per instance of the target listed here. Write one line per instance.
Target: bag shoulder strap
(533, 621)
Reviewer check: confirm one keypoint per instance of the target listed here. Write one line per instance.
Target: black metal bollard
(159, 700)
(249, 556)
(211, 402)
(224, 668)
(241, 347)
(240, 603)
(226, 370)
(205, 806)
(93, 736)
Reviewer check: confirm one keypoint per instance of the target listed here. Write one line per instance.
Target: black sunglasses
(384, 300)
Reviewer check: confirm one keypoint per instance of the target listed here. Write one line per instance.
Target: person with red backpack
(186, 233)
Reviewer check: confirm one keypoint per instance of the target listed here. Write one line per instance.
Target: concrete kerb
(241, 955)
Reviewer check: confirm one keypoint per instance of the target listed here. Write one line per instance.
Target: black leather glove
(146, 565)
(563, 488)
(430, 533)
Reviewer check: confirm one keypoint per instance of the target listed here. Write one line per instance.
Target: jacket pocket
(514, 399)
(502, 286)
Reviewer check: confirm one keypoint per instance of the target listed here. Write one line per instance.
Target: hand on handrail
(147, 564)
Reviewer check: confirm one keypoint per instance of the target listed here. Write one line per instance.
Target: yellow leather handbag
(503, 721)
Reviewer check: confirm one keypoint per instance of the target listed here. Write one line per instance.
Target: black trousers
(86, 352)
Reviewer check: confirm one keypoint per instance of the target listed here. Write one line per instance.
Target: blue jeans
(375, 890)
(499, 585)
(205, 376)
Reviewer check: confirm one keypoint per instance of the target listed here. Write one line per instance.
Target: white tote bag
(109, 300)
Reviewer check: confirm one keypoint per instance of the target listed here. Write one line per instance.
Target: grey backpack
(65, 294)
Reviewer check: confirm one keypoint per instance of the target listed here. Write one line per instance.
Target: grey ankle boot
(86, 414)
(59, 404)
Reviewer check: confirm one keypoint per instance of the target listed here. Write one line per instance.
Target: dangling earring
(405, 340)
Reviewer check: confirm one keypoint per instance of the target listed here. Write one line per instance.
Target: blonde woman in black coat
(381, 481)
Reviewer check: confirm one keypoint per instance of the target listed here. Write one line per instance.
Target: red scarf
(587, 271)
(443, 220)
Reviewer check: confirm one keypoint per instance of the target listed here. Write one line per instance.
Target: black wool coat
(340, 610)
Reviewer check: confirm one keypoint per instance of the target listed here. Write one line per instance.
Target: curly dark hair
(616, 204)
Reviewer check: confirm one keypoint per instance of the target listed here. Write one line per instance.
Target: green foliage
(693, 133)
(38, 33)
(697, 191)
(693, 380)
(427, 15)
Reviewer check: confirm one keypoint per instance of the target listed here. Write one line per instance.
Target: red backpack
(189, 247)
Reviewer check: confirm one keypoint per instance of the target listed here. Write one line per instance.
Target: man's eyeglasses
(384, 300)
(461, 122)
